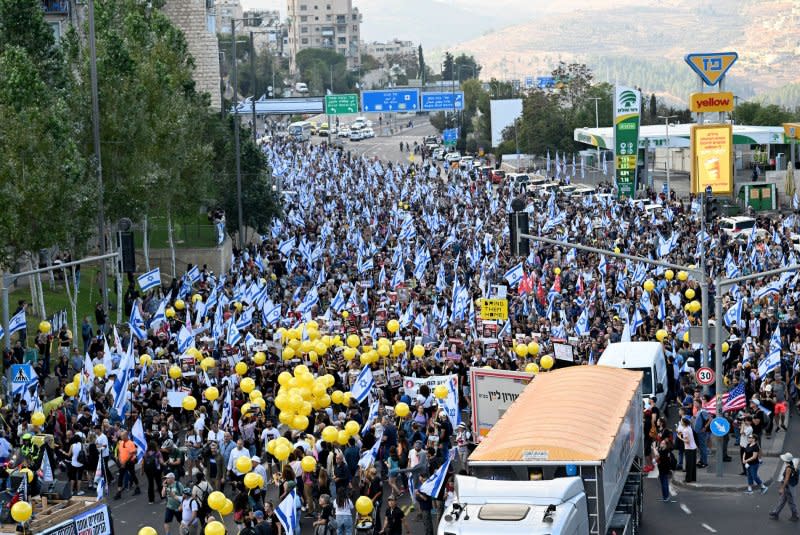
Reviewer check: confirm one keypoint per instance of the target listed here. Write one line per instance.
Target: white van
(646, 357)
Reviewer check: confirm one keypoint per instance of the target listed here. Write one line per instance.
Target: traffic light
(712, 210)
(518, 224)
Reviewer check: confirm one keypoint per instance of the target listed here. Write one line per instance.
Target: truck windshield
(647, 380)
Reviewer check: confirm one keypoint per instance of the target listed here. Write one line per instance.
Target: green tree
(758, 114)
(572, 81)
(316, 66)
(466, 67)
(448, 71)
(423, 75)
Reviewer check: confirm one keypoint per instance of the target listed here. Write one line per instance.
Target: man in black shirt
(395, 519)
(267, 522)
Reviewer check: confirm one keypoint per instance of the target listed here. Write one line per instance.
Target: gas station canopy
(655, 135)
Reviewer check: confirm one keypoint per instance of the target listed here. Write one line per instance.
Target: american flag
(732, 401)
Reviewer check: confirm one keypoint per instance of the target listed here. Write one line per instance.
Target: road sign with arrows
(341, 104)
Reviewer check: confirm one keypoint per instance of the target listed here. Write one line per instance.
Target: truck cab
(646, 357)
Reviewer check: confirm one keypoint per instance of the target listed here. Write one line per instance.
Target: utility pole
(101, 211)
(236, 137)
(253, 78)
(669, 152)
(597, 125)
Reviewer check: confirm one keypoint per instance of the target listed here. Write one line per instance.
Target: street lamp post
(669, 153)
(597, 125)
(236, 137)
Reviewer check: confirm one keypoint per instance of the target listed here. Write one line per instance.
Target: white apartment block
(393, 48)
(225, 11)
(330, 24)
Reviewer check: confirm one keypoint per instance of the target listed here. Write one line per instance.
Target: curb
(711, 487)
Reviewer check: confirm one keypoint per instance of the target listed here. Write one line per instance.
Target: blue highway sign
(443, 101)
(390, 100)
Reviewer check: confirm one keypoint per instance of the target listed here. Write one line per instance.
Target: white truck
(565, 459)
(645, 357)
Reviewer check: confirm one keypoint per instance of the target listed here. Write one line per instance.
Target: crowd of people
(381, 267)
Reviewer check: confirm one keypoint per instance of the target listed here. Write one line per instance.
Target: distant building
(268, 30)
(394, 48)
(330, 24)
(60, 14)
(225, 11)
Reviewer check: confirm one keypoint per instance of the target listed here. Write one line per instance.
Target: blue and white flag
(433, 485)
(582, 325)
(733, 316)
(17, 322)
(186, 339)
(450, 403)
(226, 414)
(234, 336)
(310, 299)
(149, 280)
(514, 275)
(137, 435)
(287, 514)
(373, 415)
(399, 277)
(136, 322)
(338, 302)
(773, 359)
(362, 385)
(193, 274)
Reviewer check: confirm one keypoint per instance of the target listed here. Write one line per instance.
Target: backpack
(203, 508)
(794, 478)
(673, 462)
(150, 463)
(81, 455)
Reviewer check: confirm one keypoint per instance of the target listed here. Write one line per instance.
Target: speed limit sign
(705, 376)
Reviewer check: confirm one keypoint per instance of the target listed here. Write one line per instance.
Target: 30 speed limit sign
(705, 376)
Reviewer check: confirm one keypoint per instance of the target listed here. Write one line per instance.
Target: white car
(466, 162)
(453, 157)
(438, 154)
(368, 133)
(343, 132)
(740, 227)
(357, 135)
(360, 122)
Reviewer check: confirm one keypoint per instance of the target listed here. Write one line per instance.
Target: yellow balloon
(300, 422)
(245, 409)
(145, 360)
(695, 306)
(244, 464)
(179, 304)
(349, 353)
(216, 500)
(216, 527)
(682, 276)
(169, 312)
(255, 394)
(364, 505)
(725, 347)
(352, 427)
(521, 350)
(532, 367)
(28, 473)
(189, 403)
(175, 372)
(345, 314)
(45, 327)
(533, 348)
(71, 390)
(251, 480)
(440, 391)
(617, 250)
(402, 409)
(247, 385)
(261, 403)
(343, 438)
(547, 362)
(37, 418)
(259, 358)
(227, 508)
(21, 511)
(208, 363)
(392, 326)
(686, 337)
(330, 434)
(689, 293)
(147, 530)
(282, 452)
(384, 350)
(649, 285)
(286, 417)
(669, 274)
(211, 393)
(306, 346)
(99, 370)
(77, 379)
(398, 347)
(353, 341)
(238, 306)
(337, 396)
(294, 344)
(197, 298)
(346, 399)
(240, 368)
(418, 351)
(320, 347)
(661, 334)
(557, 271)
(288, 352)
(309, 464)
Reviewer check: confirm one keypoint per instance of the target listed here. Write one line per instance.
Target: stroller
(364, 525)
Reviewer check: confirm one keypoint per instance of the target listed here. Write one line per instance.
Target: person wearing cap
(394, 521)
(788, 480)
(172, 491)
(189, 509)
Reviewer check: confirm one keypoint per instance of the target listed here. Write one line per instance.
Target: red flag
(525, 285)
(540, 293)
(557, 284)
(581, 288)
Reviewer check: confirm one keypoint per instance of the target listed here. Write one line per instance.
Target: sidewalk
(731, 481)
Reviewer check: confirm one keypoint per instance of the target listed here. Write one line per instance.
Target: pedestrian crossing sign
(21, 373)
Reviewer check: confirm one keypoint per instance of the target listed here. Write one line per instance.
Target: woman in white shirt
(343, 508)
(75, 467)
(745, 430)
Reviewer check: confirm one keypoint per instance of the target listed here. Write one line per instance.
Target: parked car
(497, 176)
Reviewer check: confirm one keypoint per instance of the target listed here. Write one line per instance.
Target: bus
(300, 131)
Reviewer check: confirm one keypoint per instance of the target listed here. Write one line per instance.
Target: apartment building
(390, 49)
(226, 10)
(330, 24)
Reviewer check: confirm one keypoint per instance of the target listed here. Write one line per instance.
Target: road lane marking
(709, 528)
(672, 491)
(685, 509)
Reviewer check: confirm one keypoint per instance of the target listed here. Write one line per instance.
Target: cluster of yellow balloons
(693, 306)
(315, 346)
(299, 394)
(253, 480)
(218, 502)
(332, 435)
(531, 348)
(280, 448)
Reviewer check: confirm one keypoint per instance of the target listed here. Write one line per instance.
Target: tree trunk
(171, 242)
(146, 244)
(34, 288)
(73, 302)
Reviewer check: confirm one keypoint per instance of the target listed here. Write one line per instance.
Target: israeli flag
(287, 514)
(234, 336)
(338, 302)
(399, 277)
(149, 280)
(582, 326)
(136, 322)
(17, 323)
(286, 246)
(382, 277)
(514, 275)
(770, 289)
(662, 311)
(733, 316)
(433, 485)
(373, 415)
(193, 274)
(310, 299)
(137, 435)
(160, 316)
(363, 384)
(368, 457)
(185, 339)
